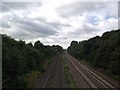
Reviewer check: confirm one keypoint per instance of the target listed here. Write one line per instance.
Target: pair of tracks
(50, 75)
(85, 77)
(92, 79)
(50, 78)
(53, 77)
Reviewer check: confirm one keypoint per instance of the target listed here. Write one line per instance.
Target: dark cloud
(23, 34)
(29, 27)
(37, 27)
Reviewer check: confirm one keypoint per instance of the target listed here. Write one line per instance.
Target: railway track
(89, 81)
(102, 80)
(53, 77)
(49, 76)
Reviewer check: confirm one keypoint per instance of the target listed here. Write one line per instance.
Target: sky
(57, 22)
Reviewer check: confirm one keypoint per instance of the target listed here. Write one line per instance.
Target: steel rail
(99, 78)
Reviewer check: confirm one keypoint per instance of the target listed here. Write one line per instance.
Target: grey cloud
(32, 28)
(86, 30)
(28, 28)
(58, 25)
(5, 25)
(7, 6)
(40, 19)
(23, 34)
(29, 32)
(39, 27)
(78, 8)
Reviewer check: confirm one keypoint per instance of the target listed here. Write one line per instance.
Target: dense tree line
(19, 58)
(102, 52)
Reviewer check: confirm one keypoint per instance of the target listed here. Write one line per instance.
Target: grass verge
(31, 77)
(68, 77)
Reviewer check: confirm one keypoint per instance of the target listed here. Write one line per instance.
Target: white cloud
(58, 22)
(107, 25)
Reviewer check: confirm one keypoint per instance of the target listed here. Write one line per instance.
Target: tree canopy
(19, 59)
(102, 52)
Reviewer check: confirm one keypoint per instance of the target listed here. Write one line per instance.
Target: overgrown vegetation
(102, 52)
(22, 63)
(67, 74)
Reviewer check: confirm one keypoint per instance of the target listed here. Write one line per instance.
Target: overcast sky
(57, 21)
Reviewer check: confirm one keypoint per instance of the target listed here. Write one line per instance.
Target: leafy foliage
(20, 58)
(102, 52)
